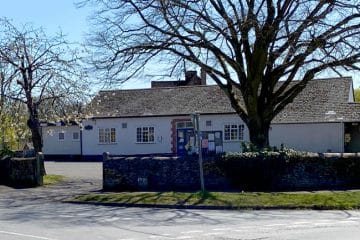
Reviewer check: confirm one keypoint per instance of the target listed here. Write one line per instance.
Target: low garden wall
(158, 173)
(247, 171)
(21, 172)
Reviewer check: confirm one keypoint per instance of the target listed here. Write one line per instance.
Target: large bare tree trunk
(259, 133)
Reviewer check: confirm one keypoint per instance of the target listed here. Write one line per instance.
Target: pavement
(39, 213)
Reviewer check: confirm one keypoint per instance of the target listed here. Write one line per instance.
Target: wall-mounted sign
(347, 137)
(88, 127)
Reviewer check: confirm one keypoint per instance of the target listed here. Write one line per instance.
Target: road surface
(27, 214)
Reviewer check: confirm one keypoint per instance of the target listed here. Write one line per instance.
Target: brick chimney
(191, 79)
(203, 76)
(190, 75)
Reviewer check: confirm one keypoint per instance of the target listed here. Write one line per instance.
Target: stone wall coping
(23, 159)
(167, 158)
(143, 158)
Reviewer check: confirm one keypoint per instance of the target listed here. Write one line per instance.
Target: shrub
(6, 152)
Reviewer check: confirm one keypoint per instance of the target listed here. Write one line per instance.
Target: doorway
(352, 137)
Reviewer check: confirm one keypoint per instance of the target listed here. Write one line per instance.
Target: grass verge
(52, 179)
(258, 200)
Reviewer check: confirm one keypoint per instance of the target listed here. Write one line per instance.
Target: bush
(250, 150)
(6, 152)
(260, 170)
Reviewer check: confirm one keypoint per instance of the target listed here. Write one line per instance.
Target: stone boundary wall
(159, 173)
(21, 172)
(283, 173)
(242, 172)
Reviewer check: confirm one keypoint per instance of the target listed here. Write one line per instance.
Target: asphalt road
(75, 170)
(27, 214)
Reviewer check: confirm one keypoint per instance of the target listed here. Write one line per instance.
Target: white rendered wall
(217, 124)
(315, 137)
(53, 146)
(126, 137)
(312, 137)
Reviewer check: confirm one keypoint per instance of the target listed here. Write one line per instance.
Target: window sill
(230, 141)
(145, 143)
(107, 143)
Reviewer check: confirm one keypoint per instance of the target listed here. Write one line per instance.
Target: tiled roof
(322, 100)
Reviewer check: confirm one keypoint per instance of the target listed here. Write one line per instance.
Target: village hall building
(322, 118)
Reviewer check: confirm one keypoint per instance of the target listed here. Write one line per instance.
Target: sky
(55, 16)
(52, 15)
(64, 16)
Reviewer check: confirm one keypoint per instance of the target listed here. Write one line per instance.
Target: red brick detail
(173, 132)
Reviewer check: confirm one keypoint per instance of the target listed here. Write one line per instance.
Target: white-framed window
(107, 135)
(145, 135)
(76, 136)
(184, 124)
(61, 136)
(234, 132)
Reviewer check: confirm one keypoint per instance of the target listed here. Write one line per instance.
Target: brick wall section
(334, 171)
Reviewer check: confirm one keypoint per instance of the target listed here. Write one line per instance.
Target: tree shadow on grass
(201, 198)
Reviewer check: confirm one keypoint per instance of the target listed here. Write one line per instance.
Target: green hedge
(291, 170)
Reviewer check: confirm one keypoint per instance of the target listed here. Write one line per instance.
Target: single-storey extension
(323, 118)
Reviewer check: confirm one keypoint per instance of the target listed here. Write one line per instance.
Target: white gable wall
(54, 146)
(312, 137)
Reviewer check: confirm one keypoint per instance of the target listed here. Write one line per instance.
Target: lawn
(245, 200)
(52, 179)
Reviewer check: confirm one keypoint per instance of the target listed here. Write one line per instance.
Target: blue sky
(52, 15)
(56, 15)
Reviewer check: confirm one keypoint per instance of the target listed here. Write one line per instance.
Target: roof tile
(313, 104)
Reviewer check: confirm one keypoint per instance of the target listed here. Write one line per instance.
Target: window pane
(180, 125)
(227, 132)
(233, 132)
(138, 135)
(75, 135)
(107, 135)
(61, 136)
(101, 135)
(113, 135)
(241, 132)
(151, 134)
(189, 124)
(145, 134)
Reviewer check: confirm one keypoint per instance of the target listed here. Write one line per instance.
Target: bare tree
(6, 76)
(252, 49)
(45, 70)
